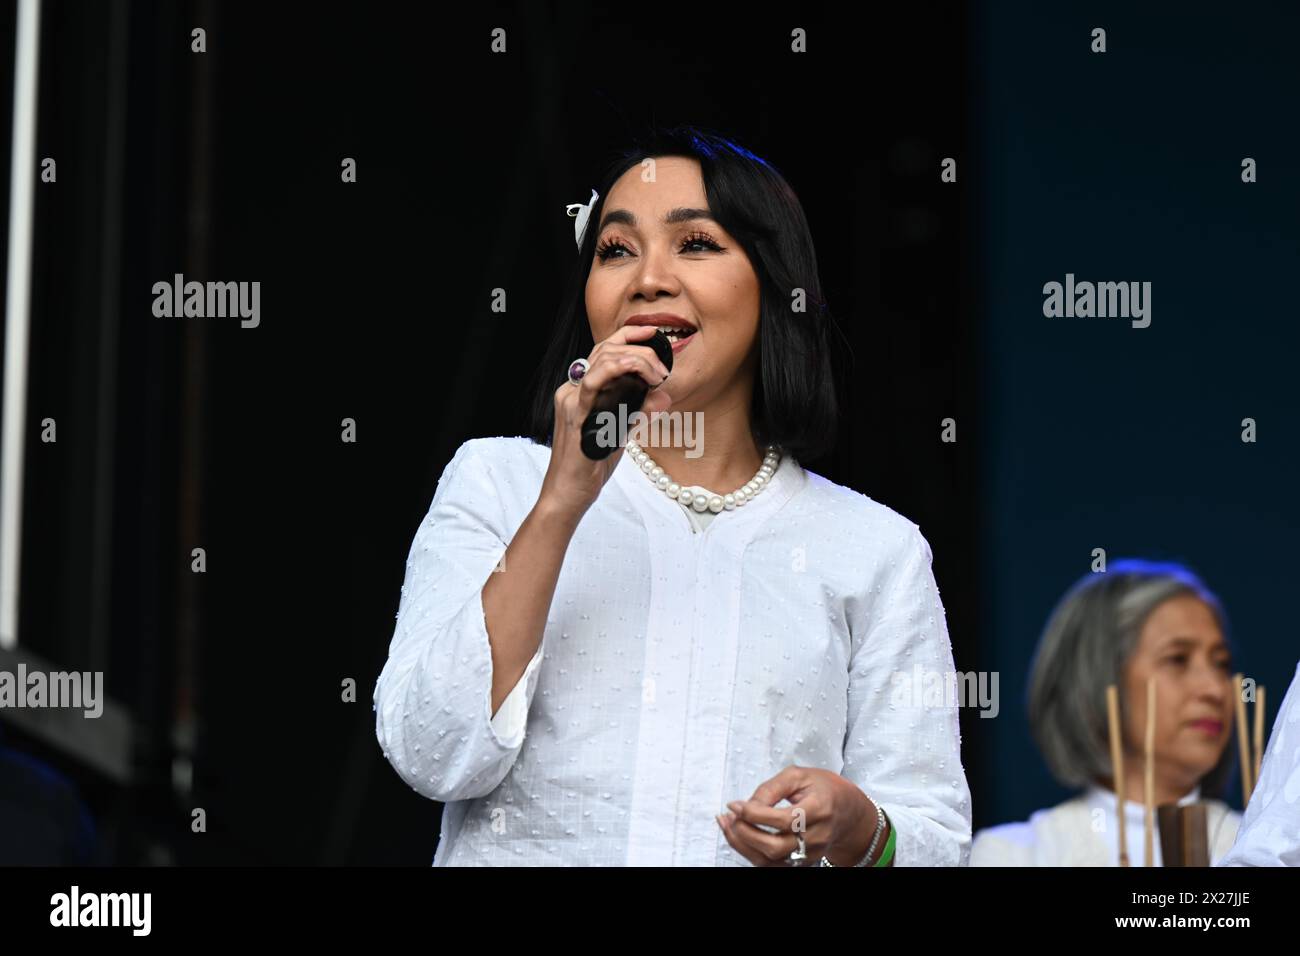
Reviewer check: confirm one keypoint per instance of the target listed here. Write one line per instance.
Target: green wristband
(888, 853)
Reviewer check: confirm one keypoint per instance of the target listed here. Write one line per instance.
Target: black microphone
(627, 390)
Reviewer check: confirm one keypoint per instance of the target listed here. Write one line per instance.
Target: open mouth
(678, 336)
(676, 333)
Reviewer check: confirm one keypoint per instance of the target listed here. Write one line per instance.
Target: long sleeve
(1269, 832)
(513, 712)
(901, 748)
(433, 698)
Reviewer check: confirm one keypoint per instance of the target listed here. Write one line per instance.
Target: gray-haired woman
(1139, 620)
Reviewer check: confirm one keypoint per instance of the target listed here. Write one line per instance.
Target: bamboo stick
(1149, 821)
(1260, 712)
(1117, 766)
(1243, 742)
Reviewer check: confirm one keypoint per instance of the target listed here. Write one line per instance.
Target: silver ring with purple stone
(577, 370)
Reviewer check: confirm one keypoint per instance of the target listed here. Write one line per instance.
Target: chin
(1198, 763)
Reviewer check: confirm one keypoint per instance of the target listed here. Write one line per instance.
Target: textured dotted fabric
(1270, 827)
(509, 719)
(679, 669)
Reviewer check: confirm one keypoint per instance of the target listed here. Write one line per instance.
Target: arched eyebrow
(674, 216)
(1188, 643)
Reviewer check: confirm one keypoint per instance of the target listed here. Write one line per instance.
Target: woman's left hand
(830, 812)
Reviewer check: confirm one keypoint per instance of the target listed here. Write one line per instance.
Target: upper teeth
(674, 330)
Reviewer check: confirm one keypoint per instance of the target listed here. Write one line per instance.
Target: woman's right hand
(573, 481)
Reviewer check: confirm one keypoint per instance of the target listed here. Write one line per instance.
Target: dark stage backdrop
(173, 434)
(1127, 166)
(1073, 433)
(177, 434)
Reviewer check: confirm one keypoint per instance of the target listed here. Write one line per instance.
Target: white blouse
(680, 667)
(1270, 829)
(513, 712)
(1083, 831)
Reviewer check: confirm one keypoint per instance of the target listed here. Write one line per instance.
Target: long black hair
(794, 403)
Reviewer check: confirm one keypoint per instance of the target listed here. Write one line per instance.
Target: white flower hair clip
(581, 212)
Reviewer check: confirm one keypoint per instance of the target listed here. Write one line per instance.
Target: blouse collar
(783, 483)
(1098, 795)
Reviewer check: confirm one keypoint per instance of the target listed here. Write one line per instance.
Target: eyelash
(1181, 659)
(606, 246)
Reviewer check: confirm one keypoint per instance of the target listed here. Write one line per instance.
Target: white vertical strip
(13, 431)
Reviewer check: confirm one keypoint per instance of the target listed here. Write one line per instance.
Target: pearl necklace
(706, 502)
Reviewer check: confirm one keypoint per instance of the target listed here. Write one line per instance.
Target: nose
(654, 276)
(1211, 685)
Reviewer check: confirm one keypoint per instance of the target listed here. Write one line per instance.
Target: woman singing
(686, 653)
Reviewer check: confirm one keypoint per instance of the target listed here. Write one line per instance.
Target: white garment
(1270, 830)
(1083, 832)
(678, 670)
(513, 712)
